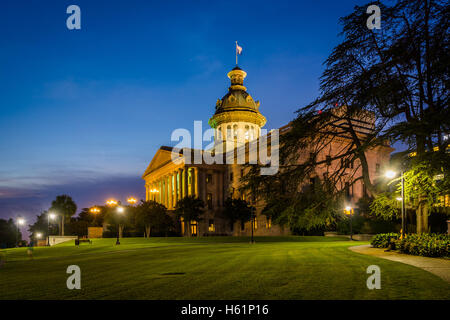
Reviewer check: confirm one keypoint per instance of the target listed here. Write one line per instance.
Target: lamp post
(253, 221)
(348, 211)
(120, 210)
(131, 200)
(51, 216)
(20, 222)
(390, 175)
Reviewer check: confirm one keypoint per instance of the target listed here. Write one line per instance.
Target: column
(170, 193)
(185, 182)
(195, 178)
(167, 191)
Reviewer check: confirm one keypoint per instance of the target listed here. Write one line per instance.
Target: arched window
(247, 133)
(252, 133)
(219, 134)
(229, 136)
(235, 131)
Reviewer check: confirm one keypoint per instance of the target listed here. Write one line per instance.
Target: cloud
(30, 202)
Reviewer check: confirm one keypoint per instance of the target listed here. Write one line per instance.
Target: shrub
(382, 240)
(427, 245)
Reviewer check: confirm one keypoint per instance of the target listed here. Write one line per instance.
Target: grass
(212, 268)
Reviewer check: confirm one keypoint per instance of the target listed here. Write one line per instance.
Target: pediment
(161, 158)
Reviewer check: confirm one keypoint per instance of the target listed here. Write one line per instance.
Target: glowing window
(211, 227)
(268, 223)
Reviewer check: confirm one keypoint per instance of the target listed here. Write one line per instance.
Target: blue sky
(84, 111)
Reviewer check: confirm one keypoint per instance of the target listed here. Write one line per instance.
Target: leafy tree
(41, 225)
(423, 188)
(396, 76)
(237, 210)
(65, 207)
(311, 208)
(112, 215)
(152, 215)
(8, 233)
(190, 209)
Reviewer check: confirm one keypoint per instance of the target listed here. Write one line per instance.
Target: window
(209, 178)
(328, 160)
(229, 133)
(211, 227)
(347, 163)
(247, 133)
(194, 228)
(231, 176)
(347, 190)
(235, 131)
(219, 134)
(243, 197)
(268, 223)
(209, 200)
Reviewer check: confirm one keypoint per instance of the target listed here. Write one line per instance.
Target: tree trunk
(422, 216)
(120, 230)
(189, 229)
(62, 225)
(147, 231)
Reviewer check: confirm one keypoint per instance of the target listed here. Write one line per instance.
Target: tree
(8, 233)
(396, 76)
(237, 210)
(425, 184)
(398, 73)
(190, 209)
(40, 226)
(114, 216)
(65, 207)
(152, 215)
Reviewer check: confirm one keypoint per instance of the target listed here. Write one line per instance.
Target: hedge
(427, 245)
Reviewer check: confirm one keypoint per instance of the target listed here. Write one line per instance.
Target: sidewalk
(437, 266)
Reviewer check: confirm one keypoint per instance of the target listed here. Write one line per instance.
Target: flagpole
(236, 55)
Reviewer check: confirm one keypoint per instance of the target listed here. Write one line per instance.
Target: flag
(238, 49)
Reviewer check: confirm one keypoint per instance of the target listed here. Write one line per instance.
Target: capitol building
(237, 122)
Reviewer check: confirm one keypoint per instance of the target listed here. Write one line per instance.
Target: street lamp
(120, 210)
(111, 202)
(131, 200)
(390, 175)
(94, 210)
(38, 235)
(50, 216)
(348, 211)
(20, 222)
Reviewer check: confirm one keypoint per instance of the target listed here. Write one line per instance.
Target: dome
(237, 104)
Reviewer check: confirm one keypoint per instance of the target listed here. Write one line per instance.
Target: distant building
(237, 122)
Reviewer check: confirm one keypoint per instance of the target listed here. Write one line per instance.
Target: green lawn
(212, 268)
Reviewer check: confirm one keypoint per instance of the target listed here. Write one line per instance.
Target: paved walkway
(437, 266)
